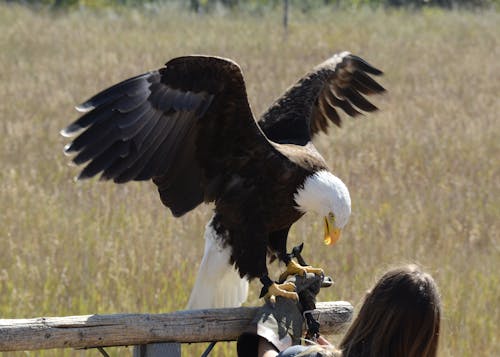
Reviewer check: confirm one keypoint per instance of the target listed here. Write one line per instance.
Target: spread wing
(313, 102)
(185, 126)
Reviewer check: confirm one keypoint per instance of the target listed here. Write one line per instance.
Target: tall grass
(424, 172)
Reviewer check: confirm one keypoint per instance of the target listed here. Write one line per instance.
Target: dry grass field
(424, 172)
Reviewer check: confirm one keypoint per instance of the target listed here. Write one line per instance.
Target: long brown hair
(399, 317)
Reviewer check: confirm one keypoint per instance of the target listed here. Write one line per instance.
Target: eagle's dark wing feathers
(130, 122)
(183, 126)
(312, 103)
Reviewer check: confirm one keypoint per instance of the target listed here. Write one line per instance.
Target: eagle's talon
(288, 286)
(315, 271)
(293, 268)
(286, 290)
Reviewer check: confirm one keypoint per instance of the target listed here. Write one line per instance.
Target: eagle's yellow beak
(332, 235)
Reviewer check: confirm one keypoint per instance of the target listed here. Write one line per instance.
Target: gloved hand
(281, 323)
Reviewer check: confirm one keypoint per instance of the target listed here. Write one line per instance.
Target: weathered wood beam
(136, 329)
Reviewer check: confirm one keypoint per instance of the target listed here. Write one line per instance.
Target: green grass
(424, 172)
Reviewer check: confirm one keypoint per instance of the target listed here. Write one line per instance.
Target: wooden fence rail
(137, 329)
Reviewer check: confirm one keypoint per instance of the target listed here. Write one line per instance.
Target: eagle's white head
(325, 194)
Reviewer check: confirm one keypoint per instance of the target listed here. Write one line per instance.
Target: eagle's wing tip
(70, 131)
(67, 150)
(66, 132)
(84, 107)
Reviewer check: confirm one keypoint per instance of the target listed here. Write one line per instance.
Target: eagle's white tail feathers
(218, 283)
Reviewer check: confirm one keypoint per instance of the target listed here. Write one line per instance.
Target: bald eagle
(190, 129)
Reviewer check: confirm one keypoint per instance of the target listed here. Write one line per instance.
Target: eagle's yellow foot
(286, 290)
(294, 268)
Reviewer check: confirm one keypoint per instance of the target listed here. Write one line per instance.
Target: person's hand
(323, 341)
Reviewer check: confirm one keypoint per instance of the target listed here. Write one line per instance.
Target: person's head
(400, 316)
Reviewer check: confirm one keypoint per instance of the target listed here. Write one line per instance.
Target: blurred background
(424, 171)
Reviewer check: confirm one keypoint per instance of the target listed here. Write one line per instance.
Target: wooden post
(286, 7)
(157, 350)
(137, 329)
